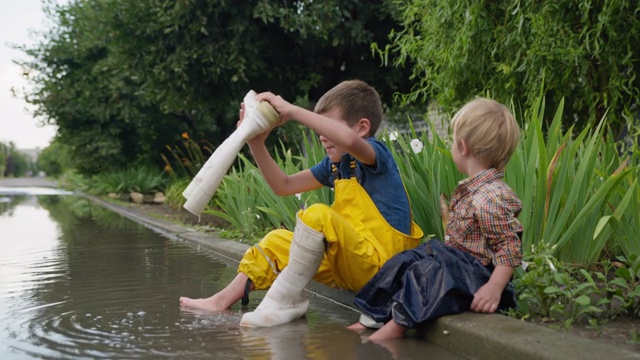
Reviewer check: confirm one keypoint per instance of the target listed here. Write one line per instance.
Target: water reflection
(8, 203)
(79, 281)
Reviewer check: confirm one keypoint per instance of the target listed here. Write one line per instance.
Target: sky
(18, 19)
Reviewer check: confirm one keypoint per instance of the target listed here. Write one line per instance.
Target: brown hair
(355, 99)
(489, 130)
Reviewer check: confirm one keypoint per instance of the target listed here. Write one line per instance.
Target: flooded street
(80, 281)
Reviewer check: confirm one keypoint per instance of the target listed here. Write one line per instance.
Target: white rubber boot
(285, 300)
(258, 118)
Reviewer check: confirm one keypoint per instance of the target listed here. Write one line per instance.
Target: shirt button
(446, 238)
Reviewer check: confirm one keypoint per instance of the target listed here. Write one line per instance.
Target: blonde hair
(355, 99)
(489, 130)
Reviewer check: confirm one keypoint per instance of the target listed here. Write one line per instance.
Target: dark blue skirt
(425, 283)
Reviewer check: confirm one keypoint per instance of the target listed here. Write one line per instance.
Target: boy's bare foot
(357, 327)
(221, 300)
(390, 330)
(209, 303)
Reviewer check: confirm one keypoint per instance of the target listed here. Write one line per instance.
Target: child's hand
(258, 139)
(486, 299)
(282, 106)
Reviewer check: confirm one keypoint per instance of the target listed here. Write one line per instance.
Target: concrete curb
(494, 336)
(477, 336)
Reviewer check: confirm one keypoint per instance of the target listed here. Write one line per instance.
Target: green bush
(569, 293)
(173, 192)
(142, 179)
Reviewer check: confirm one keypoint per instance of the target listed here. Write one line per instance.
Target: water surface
(79, 281)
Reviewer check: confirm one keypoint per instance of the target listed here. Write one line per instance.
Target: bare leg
(390, 330)
(221, 300)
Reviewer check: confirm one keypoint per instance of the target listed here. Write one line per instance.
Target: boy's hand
(486, 299)
(282, 106)
(256, 140)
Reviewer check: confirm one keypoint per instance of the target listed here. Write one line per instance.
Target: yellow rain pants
(359, 241)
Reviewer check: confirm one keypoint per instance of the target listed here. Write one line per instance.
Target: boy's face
(334, 152)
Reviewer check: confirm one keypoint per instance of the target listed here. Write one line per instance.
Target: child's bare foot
(209, 303)
(221, 300)
(357, 327)
(390, 330)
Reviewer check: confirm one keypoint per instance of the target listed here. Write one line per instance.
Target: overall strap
(352, 169)
(336, 173)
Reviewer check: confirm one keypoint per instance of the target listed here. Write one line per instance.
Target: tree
(584, 51)
(12, 162)
(124, 78)
(4, 153)
(54, 159)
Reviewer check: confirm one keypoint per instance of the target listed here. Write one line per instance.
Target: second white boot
(285, 301)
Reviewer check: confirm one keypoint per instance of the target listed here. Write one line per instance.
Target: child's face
(334, 152)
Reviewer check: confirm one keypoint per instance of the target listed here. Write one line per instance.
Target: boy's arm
(338, 132)
(280, 183)
(487, 298)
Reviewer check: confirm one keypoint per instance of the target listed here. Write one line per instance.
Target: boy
(343, 245)
(473, 268)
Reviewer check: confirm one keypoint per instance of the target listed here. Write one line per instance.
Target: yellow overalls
(359, 241)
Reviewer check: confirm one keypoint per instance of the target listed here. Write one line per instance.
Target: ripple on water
(54, 311)
(114, 331)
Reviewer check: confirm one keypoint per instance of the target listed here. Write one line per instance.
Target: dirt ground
(623, 332)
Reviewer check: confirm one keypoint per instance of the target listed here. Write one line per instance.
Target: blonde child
(472, 269)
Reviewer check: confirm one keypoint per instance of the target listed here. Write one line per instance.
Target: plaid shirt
(483, 220)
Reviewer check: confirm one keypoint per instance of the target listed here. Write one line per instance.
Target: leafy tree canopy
(122, 79)
(585, 51)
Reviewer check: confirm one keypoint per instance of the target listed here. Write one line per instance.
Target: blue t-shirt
(381, 181)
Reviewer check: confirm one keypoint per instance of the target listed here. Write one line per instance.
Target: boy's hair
(489, 130)
(355, 99)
